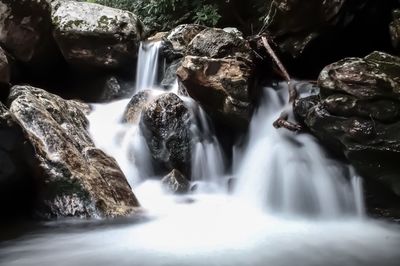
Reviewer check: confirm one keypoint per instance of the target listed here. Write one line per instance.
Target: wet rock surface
(217, 72)
(165, 123)
(221, 86)
(176, 182)
(177, 40)
(136, 105)
(357, 114)
(72, 177)
(91, 35)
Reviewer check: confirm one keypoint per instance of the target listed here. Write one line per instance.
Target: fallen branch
(282, 121)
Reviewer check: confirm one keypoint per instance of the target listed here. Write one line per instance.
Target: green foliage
(207, 15)
(161, 15)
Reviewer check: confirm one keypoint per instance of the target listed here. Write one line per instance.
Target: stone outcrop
(176, 182)
(95, 36)
(218, 72)
(178, 39)
(357, 113)
(72, 176)
(136, 105)
(165, 123)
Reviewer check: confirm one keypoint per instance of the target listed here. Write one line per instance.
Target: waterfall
(288, 173)
(126, 143)
(148, 65)
(277, 171)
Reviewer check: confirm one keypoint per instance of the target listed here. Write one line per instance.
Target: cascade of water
(148, 65)
(126, 143)
(278, 170)
(290, 173)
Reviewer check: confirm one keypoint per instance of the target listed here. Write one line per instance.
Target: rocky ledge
(357, 113)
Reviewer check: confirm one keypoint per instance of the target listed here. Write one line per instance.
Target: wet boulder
(222, 86)
(219, 43)
(95, 36)
(72, 176)
(176, 182)
(136, 105)
(357, 114)
(217, 72)
(178, 39)
(26, 31)
(165, 123)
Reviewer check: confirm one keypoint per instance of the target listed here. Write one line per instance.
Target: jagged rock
(165, 124)
(136, 105)
(375, 76)
(218, 43)
(5, 75)
(221, 86)
(357, 114)
(395, 29)
(73, 177)
(26, 31)
(176, 182)
(92, 35)
(178, 39)
(218, 72)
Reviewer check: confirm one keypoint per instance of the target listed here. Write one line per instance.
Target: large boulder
(136, 105)
(26, 31)
(357, 113)
(218, 73)
(96, 36)
(165, 123)
(178, 39)
(221, 86)
(73, 177)
(219, 43)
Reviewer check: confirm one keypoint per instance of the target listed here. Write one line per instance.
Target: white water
(147, 66)
(290, 174)
(285, 186)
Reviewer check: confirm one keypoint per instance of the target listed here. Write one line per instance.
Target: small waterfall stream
(292, 204)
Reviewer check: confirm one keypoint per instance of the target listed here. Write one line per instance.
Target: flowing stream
(292, 204)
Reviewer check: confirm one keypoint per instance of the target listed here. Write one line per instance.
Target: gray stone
(176, 182)
(357, 114)
(92, 35)
(165, 124)
(74, 178)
